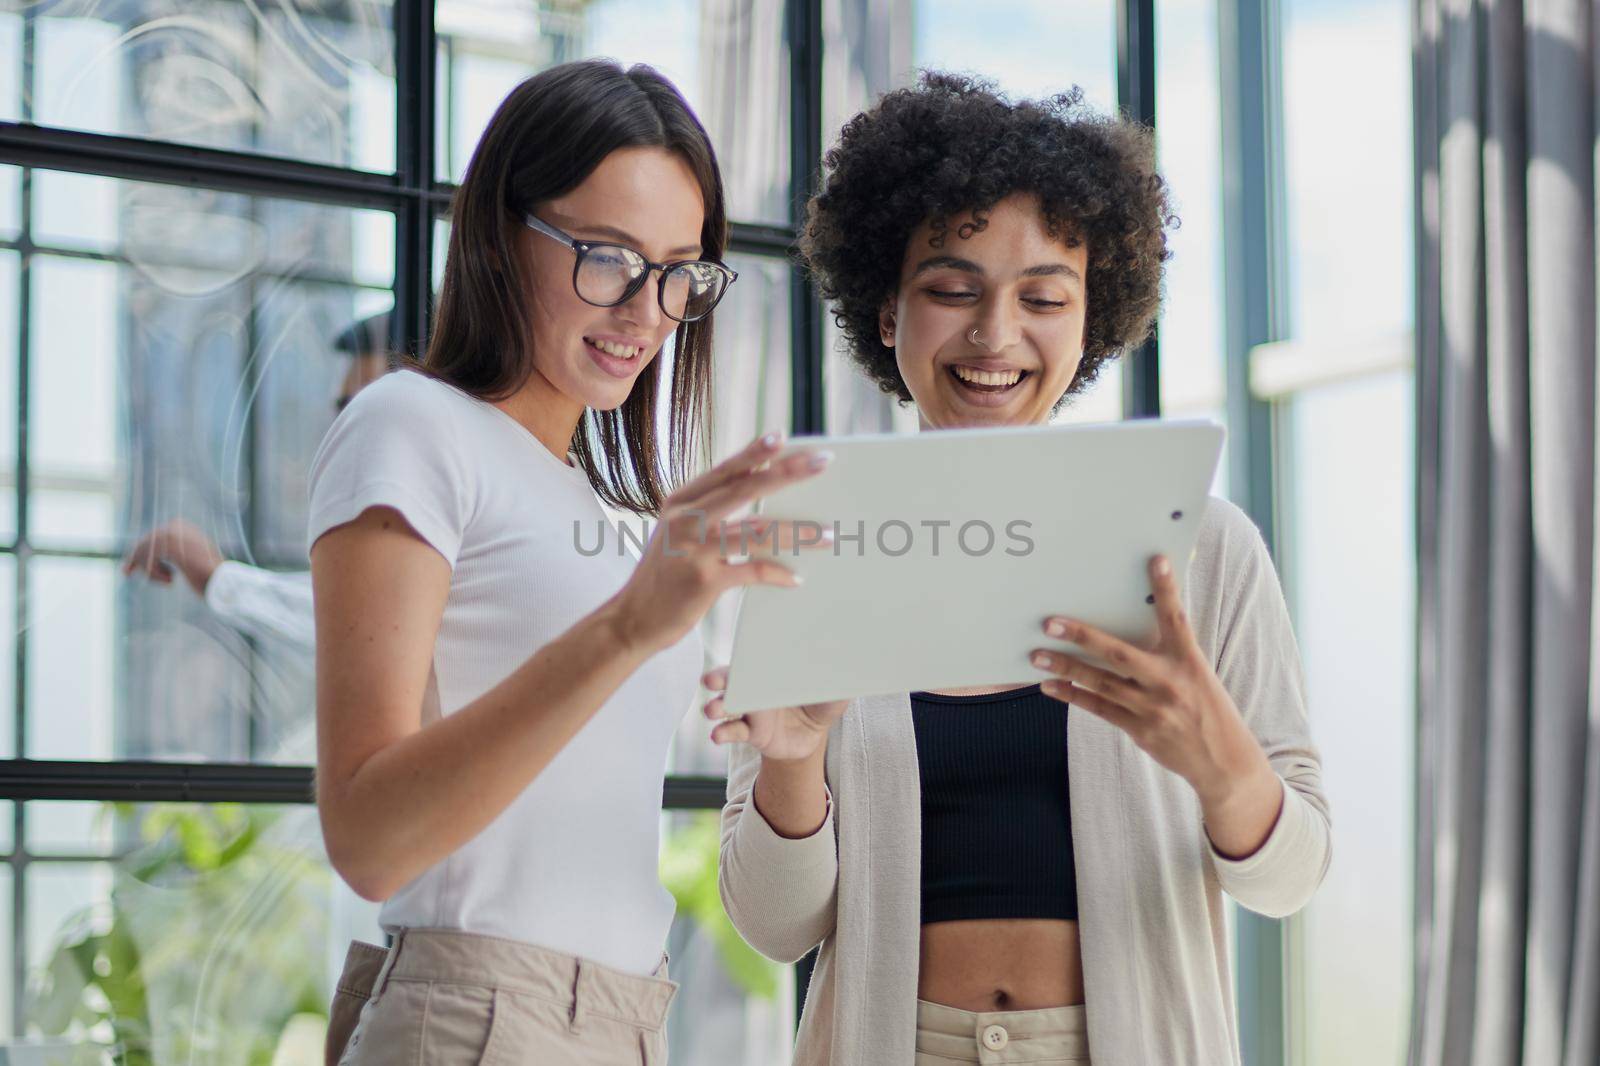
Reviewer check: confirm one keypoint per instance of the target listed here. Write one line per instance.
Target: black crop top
(996, 827)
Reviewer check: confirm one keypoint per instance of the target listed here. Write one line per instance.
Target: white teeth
(988, 377)
(621, 351)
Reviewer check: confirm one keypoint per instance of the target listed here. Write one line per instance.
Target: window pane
(313, 84)
(208, 325)
(187, 349)
(1100, 402)
(71, 659)
(728, 59)
(6, 950)
(1188, 136)
(1347, 162)
(734, 1006)
(1350, 449)
(62, 828)
(1031, 47)
(10, 66)
(10, 297)
(7, 835)
(8, 665)
(10, 201)
(1352, 587)
(219, 931)
(751, 387)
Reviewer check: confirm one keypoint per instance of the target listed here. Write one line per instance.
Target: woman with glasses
(1024, 872)
(495, 696)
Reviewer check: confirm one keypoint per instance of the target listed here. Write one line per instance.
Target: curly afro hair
(954, 145)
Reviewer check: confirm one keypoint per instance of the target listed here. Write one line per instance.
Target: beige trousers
(1057, 1035)
(445, 998)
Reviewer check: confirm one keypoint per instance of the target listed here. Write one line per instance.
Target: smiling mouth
(616, 351)
(989, 382)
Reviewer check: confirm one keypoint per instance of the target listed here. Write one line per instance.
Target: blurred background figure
(260, 603)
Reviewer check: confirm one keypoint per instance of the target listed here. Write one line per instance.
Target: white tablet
(953, 546)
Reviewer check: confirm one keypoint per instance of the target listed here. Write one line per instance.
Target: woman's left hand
(1169, 700)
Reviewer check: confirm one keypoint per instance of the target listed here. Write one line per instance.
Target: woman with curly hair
(1020, 873)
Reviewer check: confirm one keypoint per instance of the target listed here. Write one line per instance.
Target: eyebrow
(950, 262)
(622, 236)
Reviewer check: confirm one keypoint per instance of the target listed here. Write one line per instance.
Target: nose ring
(973, 336)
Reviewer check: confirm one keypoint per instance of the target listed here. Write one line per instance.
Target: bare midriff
(992, 964)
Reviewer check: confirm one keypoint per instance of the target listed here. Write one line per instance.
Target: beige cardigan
(1155, 953)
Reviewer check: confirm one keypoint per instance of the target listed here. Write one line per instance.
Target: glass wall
(172, 349)
(1346, 496)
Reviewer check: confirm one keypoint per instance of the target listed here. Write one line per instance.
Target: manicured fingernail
(1040, 659)
(770, 440)
(1056, 627)
(820, 459)
(1163, 566)
(795, 580)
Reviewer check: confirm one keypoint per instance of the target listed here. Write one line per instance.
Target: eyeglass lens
(606, 273)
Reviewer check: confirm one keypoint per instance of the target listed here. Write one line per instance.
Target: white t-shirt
(571, 864)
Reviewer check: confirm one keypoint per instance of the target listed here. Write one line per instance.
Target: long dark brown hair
(543, 141)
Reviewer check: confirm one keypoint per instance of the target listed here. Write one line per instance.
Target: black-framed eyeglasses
(606, 275)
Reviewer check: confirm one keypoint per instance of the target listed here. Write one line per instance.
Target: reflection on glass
(187, 348)
(219, 929)
(306, 82)
(727, 57)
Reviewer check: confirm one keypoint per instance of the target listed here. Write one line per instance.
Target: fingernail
(820, 459)
(827, 536)
(1056, 627)
(1163, 566)
(770, 440)
(1040, 659)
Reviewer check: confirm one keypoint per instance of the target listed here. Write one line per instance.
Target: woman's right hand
(785, 734)
(685, 568)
